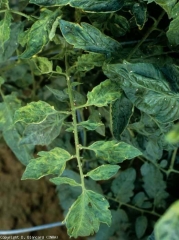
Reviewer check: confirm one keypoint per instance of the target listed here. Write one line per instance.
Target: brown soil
(27, 203)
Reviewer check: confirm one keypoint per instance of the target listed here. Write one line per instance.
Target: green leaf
(139, 11)
(44, 132)
(92, 6)
(52, 162)
(147, 88)
(90, 125)
(88, 38)
(42, 64)
(123, 185)
(166, 5)
(118, 228)
(167, 226)
(141, 200)
(5, 28)
(121, 112)
(173, 32)
(86, 214)
(140, 226)
(34, 112)
(113, 151)
(38, 36)
(64, 180)
(1, 80)
(60, 95)
(103, 94)
(103, 172)
(118, 25)
(154, 184)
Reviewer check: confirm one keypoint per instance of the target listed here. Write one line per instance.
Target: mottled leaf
(167, 226)
(88, 38)
(90, 125)
(34, 112)
(103, 172)
(52, 162)
(64, 180)
(44, 132)
(103, 94)
(123, 185)
(113, 151)
(147, 88)
(140, 226)
(5, 28)
(87, 212)
(42, 64)
(38, 36)
(92, 6)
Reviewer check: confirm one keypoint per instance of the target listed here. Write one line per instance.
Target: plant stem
(134, 207)
(73, 113)
(146, 35)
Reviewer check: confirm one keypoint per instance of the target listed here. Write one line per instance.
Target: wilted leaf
(52, 162)
(87, 212)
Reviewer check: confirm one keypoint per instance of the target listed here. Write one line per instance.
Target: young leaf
(154, 184)
(5, 28)
(90, 125)
(44, 132)
(103, 172)
(60, 95)
(92, 6)
(121, 111)
(123, 185)
(103, 94)
(38, 36)
(86, 214)
(167, 226)
(34, 112)
(43, 65)
(113, 151)
(140, 226)
(64, 180)
(52, 162)
(88, 38)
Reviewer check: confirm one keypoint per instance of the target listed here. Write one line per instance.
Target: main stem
(73, 113)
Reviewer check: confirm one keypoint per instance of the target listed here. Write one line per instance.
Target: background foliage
(97, 82)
